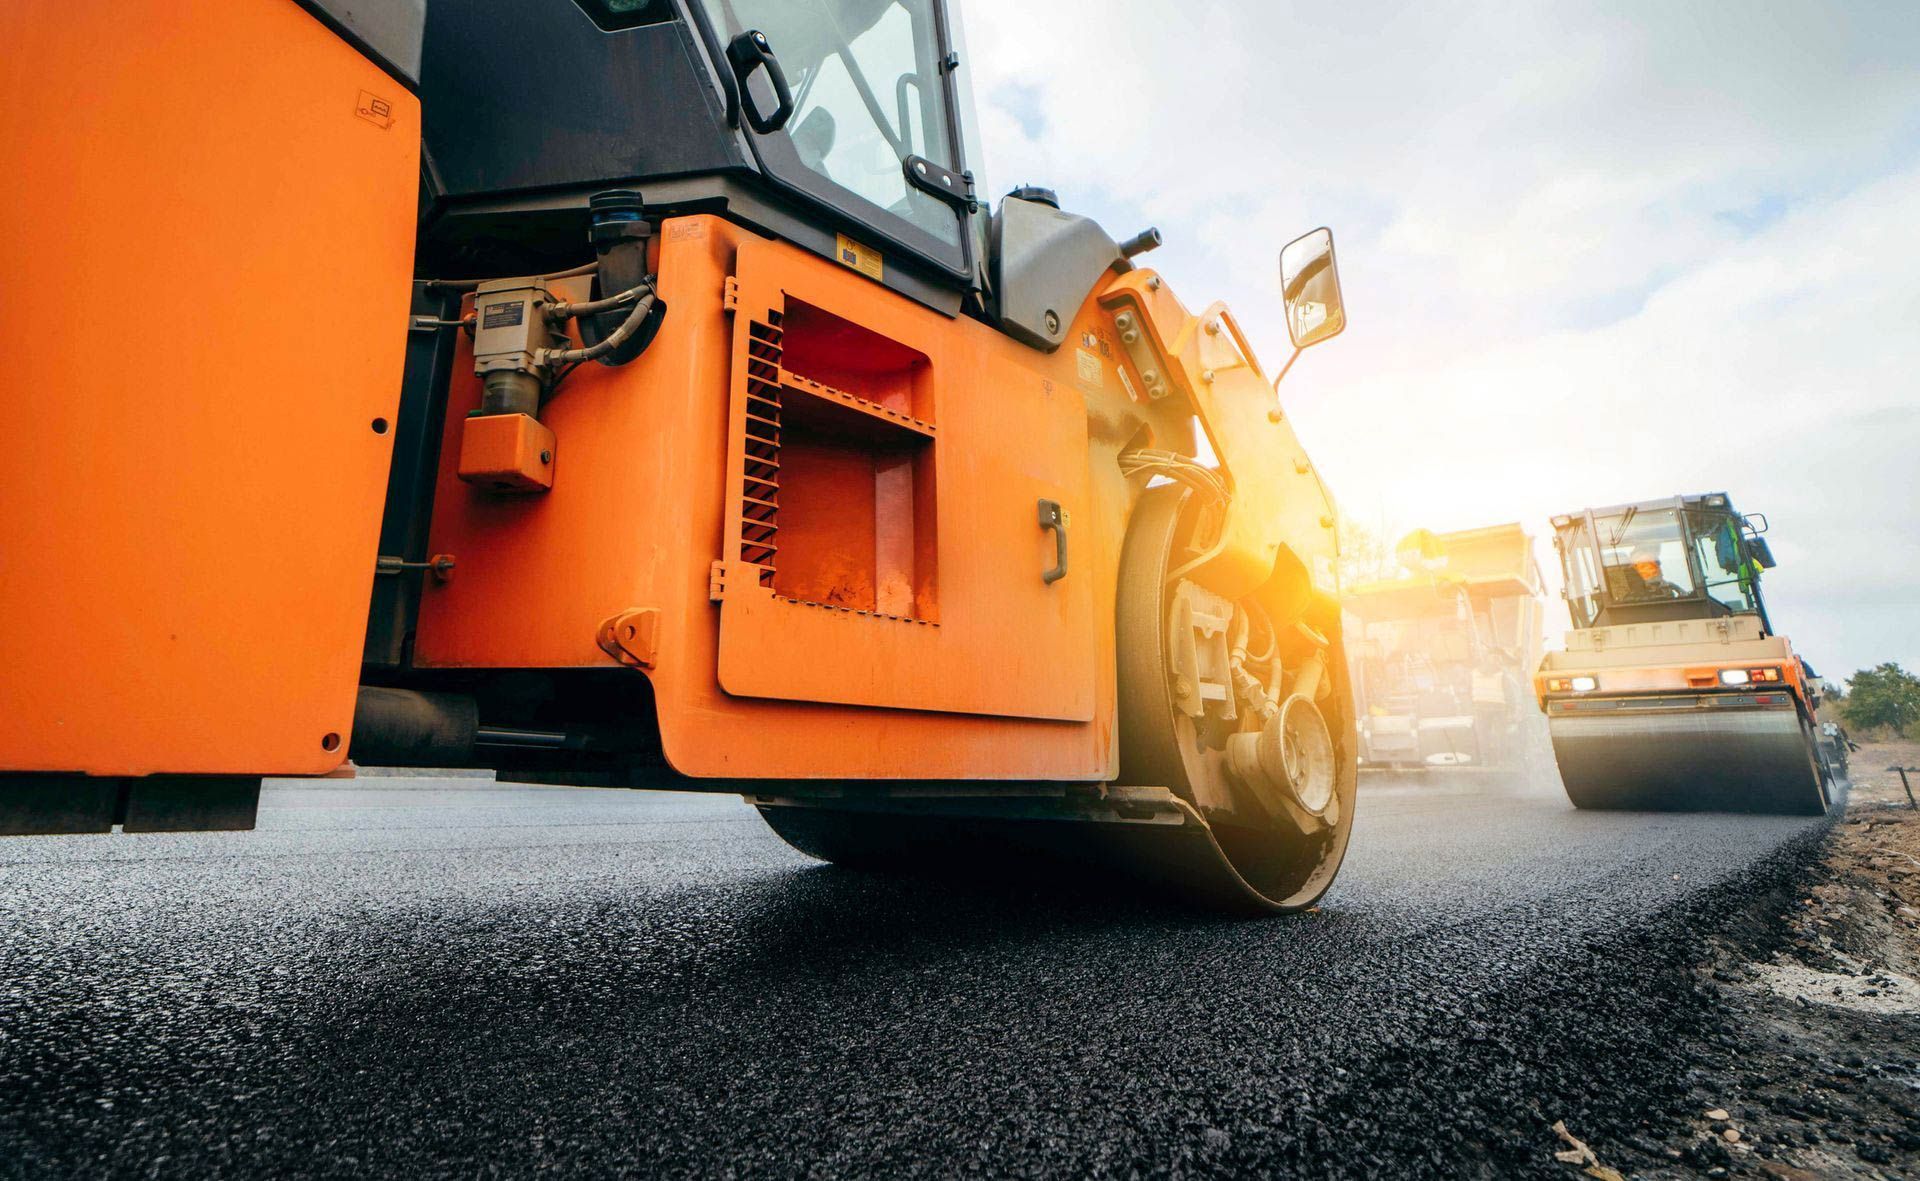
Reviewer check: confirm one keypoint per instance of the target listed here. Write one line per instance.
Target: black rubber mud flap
(191, 803)
(47, 805)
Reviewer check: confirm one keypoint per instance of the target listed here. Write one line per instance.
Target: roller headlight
(1735, 676)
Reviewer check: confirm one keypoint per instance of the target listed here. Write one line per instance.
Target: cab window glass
(1644, 555)
(867, 94)
(1583, 576)
(1728, 569)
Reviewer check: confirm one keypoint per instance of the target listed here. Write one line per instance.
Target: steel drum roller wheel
(1254, 861)
(1277, 864)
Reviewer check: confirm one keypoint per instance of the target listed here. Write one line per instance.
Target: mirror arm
(1283, 369)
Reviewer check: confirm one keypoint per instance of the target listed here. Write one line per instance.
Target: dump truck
(1674, 692)
(1443, 655)
(638, 393)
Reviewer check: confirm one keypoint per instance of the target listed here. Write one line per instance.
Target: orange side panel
(203, 295)
(993, 637)
(922, 592)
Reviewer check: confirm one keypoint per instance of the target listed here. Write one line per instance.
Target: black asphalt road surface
(455, 978)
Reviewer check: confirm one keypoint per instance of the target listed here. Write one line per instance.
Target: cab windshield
(1638, 557)
(867, 94)
(1644, 556)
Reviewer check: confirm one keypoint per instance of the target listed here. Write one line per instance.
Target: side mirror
(1310, 285)
(1762, 552)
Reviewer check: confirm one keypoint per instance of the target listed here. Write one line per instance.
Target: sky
(1590, 253)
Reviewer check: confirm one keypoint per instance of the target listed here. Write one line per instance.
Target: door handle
(747, 53)
(1053, 517)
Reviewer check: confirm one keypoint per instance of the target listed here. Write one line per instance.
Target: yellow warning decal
(864, 259)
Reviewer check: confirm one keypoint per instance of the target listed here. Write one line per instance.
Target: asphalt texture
(456, 978)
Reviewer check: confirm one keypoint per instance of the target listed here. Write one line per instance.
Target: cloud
(1591, 254)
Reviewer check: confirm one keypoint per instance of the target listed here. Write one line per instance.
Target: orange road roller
(637, 393)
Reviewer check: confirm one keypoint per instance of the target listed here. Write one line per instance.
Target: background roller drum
(1748, 761)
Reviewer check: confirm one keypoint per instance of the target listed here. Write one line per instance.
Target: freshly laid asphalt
(456, 978)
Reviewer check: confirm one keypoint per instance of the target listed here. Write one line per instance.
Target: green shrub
(1887, 696)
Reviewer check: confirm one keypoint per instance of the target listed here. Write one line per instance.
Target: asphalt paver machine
(1674, 692)
(1443, 654)
(637, 392)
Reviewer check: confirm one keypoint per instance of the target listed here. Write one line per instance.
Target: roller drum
(1718, 760)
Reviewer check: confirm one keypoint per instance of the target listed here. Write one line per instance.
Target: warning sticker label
(1090, 368)
(864, 259)
(374, 109)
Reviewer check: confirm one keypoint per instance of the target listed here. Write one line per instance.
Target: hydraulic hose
(614, 340)
(561, 311)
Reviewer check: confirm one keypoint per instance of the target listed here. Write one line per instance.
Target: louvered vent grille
(760, 485)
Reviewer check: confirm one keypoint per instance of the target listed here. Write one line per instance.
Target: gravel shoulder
(1808, 1065)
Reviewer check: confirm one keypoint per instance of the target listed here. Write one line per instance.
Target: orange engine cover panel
(203, 291)
(830, 496)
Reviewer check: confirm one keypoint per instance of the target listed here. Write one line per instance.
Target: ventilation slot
(760, 482)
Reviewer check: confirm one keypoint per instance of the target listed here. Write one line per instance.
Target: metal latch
(439, 565)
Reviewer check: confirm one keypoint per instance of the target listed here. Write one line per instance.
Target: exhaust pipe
(409, 728)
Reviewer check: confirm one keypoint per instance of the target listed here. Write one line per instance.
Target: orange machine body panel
(1667, 676)
(864, 599)
(207, 252)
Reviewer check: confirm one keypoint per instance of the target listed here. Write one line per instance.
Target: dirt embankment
(1814, 1069)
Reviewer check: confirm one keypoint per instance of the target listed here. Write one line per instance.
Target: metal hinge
(955, 188)
(632, 637)
(730, 295)
(717, 581)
